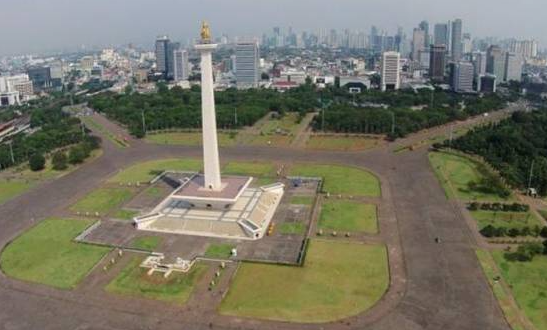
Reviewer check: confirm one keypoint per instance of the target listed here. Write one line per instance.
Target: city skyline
(137, 25)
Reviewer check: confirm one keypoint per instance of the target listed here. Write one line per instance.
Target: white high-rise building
(479, 61)
(180, 65)
(247, 65)
(391, 67)
(462, 77)
(513, 67)
(418, 42)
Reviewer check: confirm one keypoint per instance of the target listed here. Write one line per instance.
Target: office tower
(57, 74)
(247, 65)
(437, 62)
(162, 44)
(424, 26)
(170, 70)
(487, 83)
(513, 67)
(467, 44)
(495, 62)
(180, 65)
(479, 62)
(87, 63)
(40, 77)
(457, 46)
(418, 41)
(441, 34)
(462, 77)
(390, 71)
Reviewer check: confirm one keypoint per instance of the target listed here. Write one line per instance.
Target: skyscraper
(390, 71)
(437, 62)
(418, 42)
(513, 67)
(457, 46)
(479, 62)
(495, 63)
(441, 34)
(467, 44)
(171, 48)
(424, 26)
(40, 77)
(462, 77)
(181, 65)
(162, 44)
(247, 65)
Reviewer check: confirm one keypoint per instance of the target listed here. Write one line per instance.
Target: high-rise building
(424, 26)
(462, 77)
(391, 67)
(437, 62)
(180, 65)
(162, 45)
(487, 83)
(479, 62)
(171, 48)
(513, 67)
(418, 42)
(441, 34)
(87, 63)
(247, 65)
(40, 77)
(495, 62)
(457, 46)
(467, 43)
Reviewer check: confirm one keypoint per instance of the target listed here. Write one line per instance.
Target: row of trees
(516, 147)
(178, 108)
(491, 231)
(499, 207)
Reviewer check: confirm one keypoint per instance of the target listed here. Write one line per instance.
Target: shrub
(37, 162)
(59, 161)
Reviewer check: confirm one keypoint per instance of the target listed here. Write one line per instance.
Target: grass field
(342, 143)
(456, 173)
(13, 188)
(341, 179)
(124, 214)
(286, 228)
(102, 200)
(148, 243)
(341, 215)
(144, 172)
(277, 132)
(543, 214)
(517, 220)
(528, 284)
(302, 200)
(46, 254)
(502, 294)
(189, 139)
(116, 140)
(134, 281)
(338, 280)
(256, 169)
(219, 251)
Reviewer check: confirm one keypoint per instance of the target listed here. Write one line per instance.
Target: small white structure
(156, 263)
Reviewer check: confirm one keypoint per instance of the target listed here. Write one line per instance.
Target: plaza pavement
(432, 285)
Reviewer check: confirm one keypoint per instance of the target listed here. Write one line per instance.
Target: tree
(59, 161)
(489, 231)
(37, 162)
(543, 232)
(76, 155)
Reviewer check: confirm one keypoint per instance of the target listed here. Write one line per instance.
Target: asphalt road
(443, 285)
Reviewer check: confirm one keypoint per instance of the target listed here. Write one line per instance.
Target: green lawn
(148, 243)
(189, 139)
(528, 283)
(341, 179)
(341, 215)
(46, 254)
(116, 140)
(342, 143)
(144, 172)
(13, 188)
(177, 288)
(456, 173)
(502, 295)
(517, 220)
(124, 214)
(288, 124)
(302, 200)
(297, 228)
(219, 251)
(102, 200)
(256, 169)
(338, 280)
(543, 214)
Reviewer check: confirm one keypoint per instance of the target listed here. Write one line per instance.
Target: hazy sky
(35, 25)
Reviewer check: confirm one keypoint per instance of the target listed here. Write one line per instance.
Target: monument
(208, 204)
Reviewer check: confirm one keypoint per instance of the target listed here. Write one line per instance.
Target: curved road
(441, 285)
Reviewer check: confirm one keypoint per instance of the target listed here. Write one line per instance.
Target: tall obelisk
(208, 116)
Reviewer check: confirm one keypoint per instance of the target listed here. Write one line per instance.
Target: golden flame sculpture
(205, 32)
